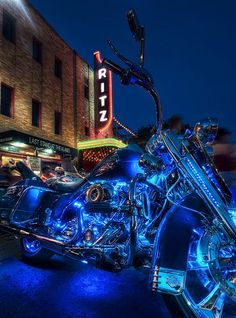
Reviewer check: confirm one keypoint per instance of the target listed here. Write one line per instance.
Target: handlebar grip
(113, 67)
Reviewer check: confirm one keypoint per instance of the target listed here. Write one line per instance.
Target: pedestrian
(175, 124)
(47, 173)
(60, 172)
(225, 156)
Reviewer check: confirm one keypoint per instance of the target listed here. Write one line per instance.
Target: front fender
(172, 241)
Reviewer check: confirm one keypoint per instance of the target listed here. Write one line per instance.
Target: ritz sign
(103, 95)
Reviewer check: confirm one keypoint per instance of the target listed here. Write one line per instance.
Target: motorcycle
(167, 209)
(6, 178)
(4, 184)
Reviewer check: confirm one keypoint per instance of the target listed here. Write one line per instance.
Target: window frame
(86, 88)
(12, 102)
(35, 40)
(57, 60)
(40, 113)
(87, 131)
(13, 40)
(60, 123)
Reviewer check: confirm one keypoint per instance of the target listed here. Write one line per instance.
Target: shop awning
(19, 139)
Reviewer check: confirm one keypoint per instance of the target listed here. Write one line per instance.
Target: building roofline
(55, 31)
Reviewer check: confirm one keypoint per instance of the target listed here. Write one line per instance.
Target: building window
(36, 113)
(58, 67)
(86, 87)
(7, 99)
(86, 131)
(9, 27)
(37, 50)
(58, 123)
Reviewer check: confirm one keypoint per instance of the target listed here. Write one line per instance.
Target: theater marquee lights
(97, 143)
(103, 95)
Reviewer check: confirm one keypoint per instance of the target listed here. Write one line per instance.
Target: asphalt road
(65, 288)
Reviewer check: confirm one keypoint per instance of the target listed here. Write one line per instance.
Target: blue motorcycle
(166, 208)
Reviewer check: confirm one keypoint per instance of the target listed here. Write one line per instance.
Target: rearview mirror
(136, 29)
(206, 129)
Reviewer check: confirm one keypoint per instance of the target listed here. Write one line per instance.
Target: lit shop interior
(36, 152)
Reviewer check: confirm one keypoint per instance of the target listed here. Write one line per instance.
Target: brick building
(47, 91)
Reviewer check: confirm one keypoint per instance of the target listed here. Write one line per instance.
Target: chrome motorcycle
(167, 208)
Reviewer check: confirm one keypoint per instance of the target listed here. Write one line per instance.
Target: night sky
(190, 50)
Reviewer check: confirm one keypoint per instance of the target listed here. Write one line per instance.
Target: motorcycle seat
(66, 187)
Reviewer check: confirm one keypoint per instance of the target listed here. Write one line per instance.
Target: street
(66, 288)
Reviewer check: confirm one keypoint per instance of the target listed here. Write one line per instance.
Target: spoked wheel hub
(31, 245)
(211, 274)
(223, 264)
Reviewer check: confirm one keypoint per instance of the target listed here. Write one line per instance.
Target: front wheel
(209, 282)
(31, 249)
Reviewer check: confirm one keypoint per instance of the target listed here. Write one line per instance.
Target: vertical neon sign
(103, 95)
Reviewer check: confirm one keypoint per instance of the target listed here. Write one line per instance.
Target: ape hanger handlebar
(133, 73)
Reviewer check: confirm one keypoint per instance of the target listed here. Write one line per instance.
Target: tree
(143, 134)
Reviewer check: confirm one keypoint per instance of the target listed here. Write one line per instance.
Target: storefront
(37, 152)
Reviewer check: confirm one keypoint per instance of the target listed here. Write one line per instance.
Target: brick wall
(86, 106)
(32, 80)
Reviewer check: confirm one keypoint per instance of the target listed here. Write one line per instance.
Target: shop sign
(16, 136)
(39, 143)
(34, 163)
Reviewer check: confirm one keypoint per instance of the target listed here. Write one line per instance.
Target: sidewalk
(8, 246)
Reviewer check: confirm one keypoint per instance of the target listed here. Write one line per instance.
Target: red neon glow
(110, 103)
(98, 56)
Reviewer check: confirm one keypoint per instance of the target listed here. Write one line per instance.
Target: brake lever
(118, 54)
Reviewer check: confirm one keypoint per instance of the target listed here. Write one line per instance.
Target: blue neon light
(134, 167)
(232, 213)
(202, 183)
